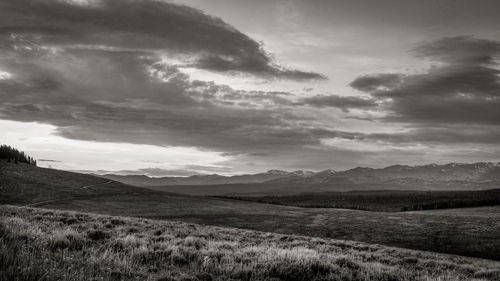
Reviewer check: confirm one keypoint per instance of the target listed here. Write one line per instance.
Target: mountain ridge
(469, 172)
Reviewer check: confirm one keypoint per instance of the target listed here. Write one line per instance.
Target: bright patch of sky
(42, 142)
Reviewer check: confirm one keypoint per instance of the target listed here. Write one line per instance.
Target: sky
(175, 88)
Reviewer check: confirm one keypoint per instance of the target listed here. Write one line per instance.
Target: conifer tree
(11, 154)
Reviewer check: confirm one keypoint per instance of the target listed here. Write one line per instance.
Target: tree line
(13, 155)
(382, 201)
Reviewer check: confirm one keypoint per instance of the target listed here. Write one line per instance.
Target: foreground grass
(41, 244)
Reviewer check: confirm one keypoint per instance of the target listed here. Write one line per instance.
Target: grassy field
(468, 233)
(384, 201)
(463, 233)
(46, 245)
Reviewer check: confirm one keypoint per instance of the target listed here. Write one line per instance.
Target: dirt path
(36, 204)
(92, 185)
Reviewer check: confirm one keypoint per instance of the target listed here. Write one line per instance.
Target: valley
(466, 232)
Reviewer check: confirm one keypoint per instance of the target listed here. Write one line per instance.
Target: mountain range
(474, 176)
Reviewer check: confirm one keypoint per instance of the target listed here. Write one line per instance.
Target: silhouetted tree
(11, 154)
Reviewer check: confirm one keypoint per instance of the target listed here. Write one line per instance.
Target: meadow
(46, 245)
(468, 233)
(383, 200)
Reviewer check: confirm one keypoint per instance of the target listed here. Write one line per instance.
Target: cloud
(463, 88)
(48, 160)
(464, 50)
(103, 76)
(369, 83)
(112, 71)
(135, 97)
(342, 102)
(173, 30)
(431, 135)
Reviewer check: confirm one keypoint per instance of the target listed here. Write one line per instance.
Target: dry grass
(467, 233)
(38, 244)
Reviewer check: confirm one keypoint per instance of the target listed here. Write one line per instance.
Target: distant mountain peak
(391, 176)
(327, 172)
(302, 173)
(277, 172)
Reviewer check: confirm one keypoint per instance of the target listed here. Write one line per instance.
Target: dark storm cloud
(460, 50)
(371, 83)
(456, 101)
(343, 103)
(432, 135)
(155, 26)
(463, 88)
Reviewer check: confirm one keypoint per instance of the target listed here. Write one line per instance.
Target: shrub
(58, 241)
(183, 255)
(166, 278)
(489, 274)
(68, 221)
(151, 258)
(347, 263)
(131, 241)
(98, 235)
(204, 277)
(66, 238)
(195, 242)
(3, 230)
(298, 271)
(76, 240)
(132, 230)
(116, 221)
(409, 261)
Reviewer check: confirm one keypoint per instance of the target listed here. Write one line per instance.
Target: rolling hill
(28, 184)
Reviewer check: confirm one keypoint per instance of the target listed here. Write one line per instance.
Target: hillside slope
(27, 184)
(80, 246)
